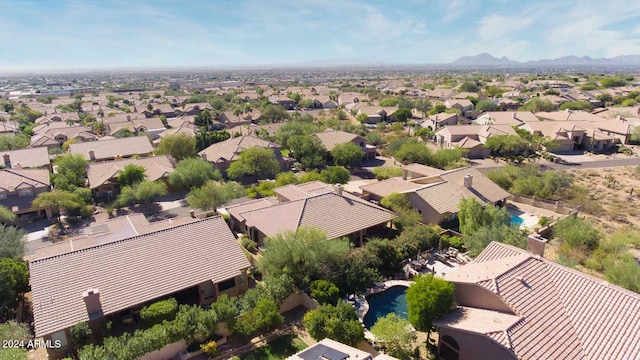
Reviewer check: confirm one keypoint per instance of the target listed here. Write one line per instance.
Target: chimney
(514, 115)
(91, 299)
(192, 213)
(338, 189)
(92, 155)
(18, 166)
(128, 117)
(536, 244)
(7, 161)
(204, 156)
(468, 181)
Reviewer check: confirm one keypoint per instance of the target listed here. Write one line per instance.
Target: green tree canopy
(325, 292)
(402, 115)
(347, 154)
(537, 104)
(193, 172)
(339, 323)
(57, 200)
(483, 236)
(180, 146)
(335, 175)
(12, 242)
(15, 281)
(213, 194)
(256, 162)
(141, 193)
(486, 105)
(13, 142)
(577, 105)
(203, 118)
(507, 145)
(131, 175)
(474, 215)
(427, 299)
(274, 113)
(413, 152)
(7, 216)
(308, 150)
(396, 334)
(469, 86)
(305, 255)
(71, 172)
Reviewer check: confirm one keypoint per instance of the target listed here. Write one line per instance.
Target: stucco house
(103, 150)
(435, 194)
(515, 304)
(103, 176)
(223, 153)
(330, 138)
(32, 158)
(19, 187)
(201, 260)
(314, 204)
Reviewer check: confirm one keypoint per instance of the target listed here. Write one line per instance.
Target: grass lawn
(279, 349)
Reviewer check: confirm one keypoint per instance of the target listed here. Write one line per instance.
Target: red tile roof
(565, 314)
(132, 271)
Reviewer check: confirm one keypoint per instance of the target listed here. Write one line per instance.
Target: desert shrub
(543, 221)
(80, 334)
(210, 348)
(325, 292)
(248, 244)
(579, 237)
(159, 311)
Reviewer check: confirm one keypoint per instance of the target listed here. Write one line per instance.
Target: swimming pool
(392, 300)
(516, 220)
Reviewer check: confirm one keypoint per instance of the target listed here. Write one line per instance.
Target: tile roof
(565, 314)
(119, 228)
(108, 149)
(445, 196)
(230, 149)
(506, 117)
(388, 186)
(422, 169)
(338, 215)
(303, 191)
(330, 138)
(156, 167)
(12, 179)
(27, 158)
(132, 271)
(238, 209)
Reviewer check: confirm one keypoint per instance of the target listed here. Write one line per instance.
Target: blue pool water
(392, 300)
(516, 220)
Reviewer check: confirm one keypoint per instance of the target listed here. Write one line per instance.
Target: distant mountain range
(485, 59)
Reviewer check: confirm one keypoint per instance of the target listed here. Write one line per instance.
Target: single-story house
(572, 135)
(324, 102)
(19, 187)
(514, 118)
(374, 114)
(315, 204)
(151, 126)
(229, 120)
(437, 194)
(103, 176)
(330, 138)
(53, 135)
(26, 158)
(463, 105)
(439, 120)
(164, 109)
(471, 137)
(223, 153)
(201, 259)
(515, 304)
(334, 350)
(111, 149)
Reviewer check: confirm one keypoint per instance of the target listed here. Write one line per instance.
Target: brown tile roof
(119, 228)
(108, 149)
(388, 186)
(468, 143)
(12, 179)
(445, 196)
(132, 271)
(565, 314)
(156, 167)
(27, 158)
(330, 138)
(303, 191)
(423, 170)
(230, 149)
(237, 210)
(338, 215)
(506, 117)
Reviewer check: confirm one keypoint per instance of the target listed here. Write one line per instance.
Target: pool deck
(530, 215)
(362, 305)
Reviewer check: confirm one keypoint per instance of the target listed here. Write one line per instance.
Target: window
(60, 336)
(25, 192)
(3, 195)
(227, 284)
(449, 350)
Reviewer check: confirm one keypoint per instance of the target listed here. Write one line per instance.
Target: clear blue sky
(145, 33)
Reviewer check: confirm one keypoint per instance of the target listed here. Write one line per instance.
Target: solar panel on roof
(320, 352)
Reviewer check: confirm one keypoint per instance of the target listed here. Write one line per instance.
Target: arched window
(449, 349)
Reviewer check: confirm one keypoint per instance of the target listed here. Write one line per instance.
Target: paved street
(596, 164)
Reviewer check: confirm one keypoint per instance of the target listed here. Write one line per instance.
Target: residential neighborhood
(477, 208)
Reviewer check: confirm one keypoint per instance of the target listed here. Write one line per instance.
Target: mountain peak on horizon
(485, 59)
